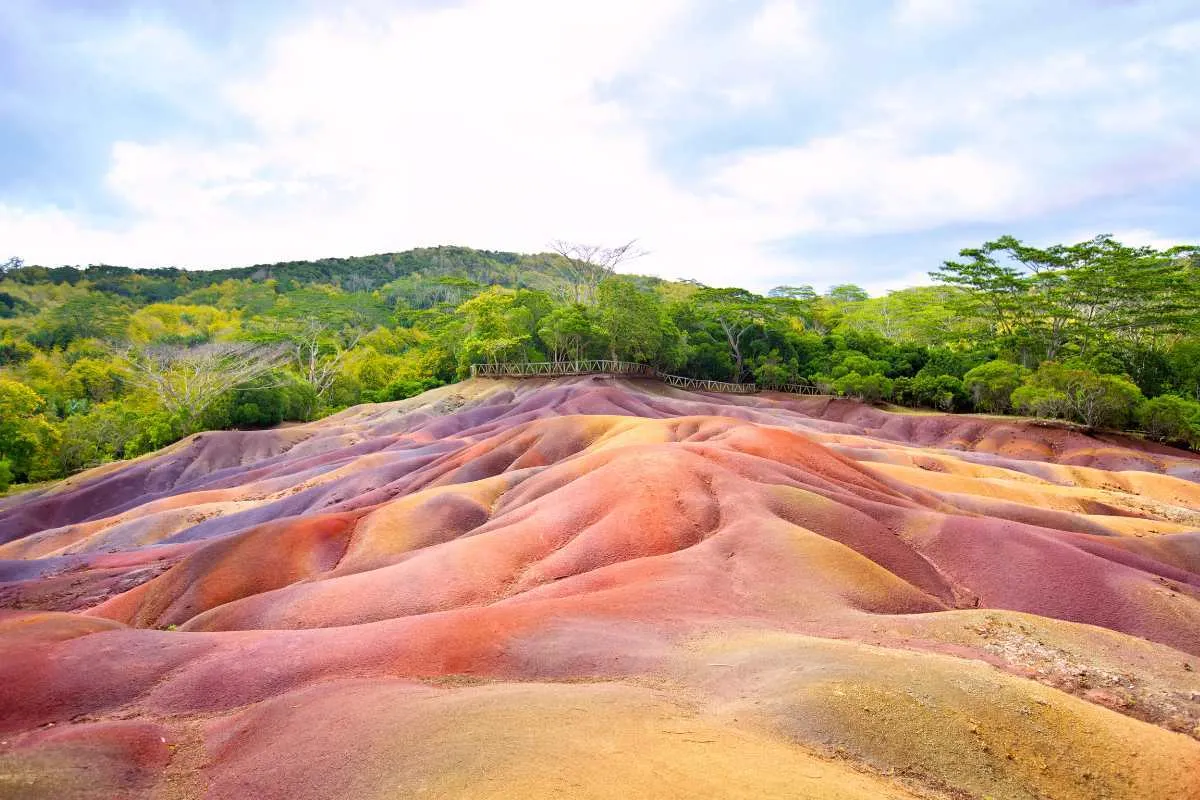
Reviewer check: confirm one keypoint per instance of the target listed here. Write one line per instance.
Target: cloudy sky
(741, 143)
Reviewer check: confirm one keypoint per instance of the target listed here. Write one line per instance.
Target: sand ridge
(590, 587)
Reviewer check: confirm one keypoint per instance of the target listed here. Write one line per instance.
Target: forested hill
(108, 362)
(416, 271)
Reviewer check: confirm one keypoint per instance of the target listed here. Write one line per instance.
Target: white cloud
(784, 24)
(866, 182)
(930, 14)
(1184, 37)
(493, 124)
(1141, 237)
(479, 125)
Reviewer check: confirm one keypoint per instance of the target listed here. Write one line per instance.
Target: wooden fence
(601, 366)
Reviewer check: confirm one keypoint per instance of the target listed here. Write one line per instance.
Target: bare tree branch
(317, 356)
(584, 266)
(188, 379)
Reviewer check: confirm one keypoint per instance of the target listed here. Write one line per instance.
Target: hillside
(355, 273)
(108, 363)
(597, 588)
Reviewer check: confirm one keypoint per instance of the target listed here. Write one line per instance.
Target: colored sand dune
(594, 588)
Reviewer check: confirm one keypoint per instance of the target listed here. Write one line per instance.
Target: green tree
(88, 315)
(1170, 418)
(26, 436)
(847, 293)
(570, 332)
(496, 328)
(1083, 395)
(991, 385)
(942, 392)
(868, 388)
(634, 322)
(737, 312)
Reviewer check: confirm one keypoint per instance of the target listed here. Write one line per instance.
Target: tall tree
(737, 312)
(633, 320)
(585, 266)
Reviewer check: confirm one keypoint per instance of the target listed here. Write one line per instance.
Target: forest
(107, 362)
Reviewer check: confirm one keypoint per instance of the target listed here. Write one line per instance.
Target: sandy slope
(602, 588)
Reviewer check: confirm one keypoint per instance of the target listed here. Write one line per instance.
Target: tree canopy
(107, 362)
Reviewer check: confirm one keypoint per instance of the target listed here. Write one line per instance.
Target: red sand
(819, 586)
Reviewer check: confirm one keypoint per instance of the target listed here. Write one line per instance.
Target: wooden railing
(558, 369)
(698, 385)
(601, 366)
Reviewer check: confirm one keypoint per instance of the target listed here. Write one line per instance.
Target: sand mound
(603, 588)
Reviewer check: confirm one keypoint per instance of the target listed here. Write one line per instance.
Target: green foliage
(111, 430)
(943, 392)
(868, 388)
(1170, 418)
(1048, 304)
(87, 316)
(1041, 401)
(6, 474)
(990, 386)
(26, 436)
(635, 324)
(572, 332)
(1072, 332)
(404, 388)
(1070, 392)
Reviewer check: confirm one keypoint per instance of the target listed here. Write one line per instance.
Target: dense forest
(107, 362)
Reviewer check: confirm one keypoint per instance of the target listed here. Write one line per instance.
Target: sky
(740, 143)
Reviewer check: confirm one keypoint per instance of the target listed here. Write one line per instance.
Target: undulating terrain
(596, 588)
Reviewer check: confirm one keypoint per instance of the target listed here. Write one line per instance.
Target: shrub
(1169, 418)
(6, 474)
(1080, 394)
(1041, 401)
(868, 388)
(112, 430)
(403, 388)
(943, 392)
(990, 386)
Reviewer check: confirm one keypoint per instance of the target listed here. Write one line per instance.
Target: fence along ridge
(604, 366)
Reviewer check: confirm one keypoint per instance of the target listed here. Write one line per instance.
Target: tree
(90, 315)
(569, 332)
(11, 264)
(868, 388)
(187, 380)
(316, 353)
(991, 385)
(1170, 418)
(737, 312)
(1184, 363)
(1076, 300)
(804, 293)
(496, 328)
(847, 293)
(585, 266)
(936, 391)
(1068, 391)
(1041, 401)
(25, 434)
(989, 290)
(633, 320)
